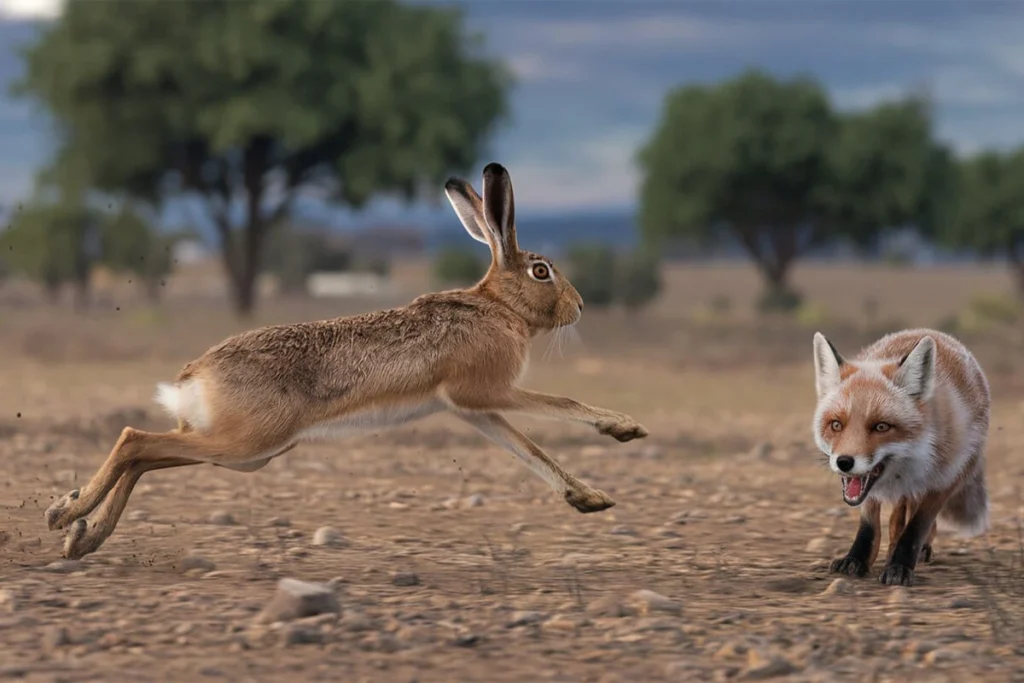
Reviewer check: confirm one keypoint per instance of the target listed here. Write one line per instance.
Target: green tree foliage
(54, 243)
(770, 164)
(459, 266)
(990, 209)
(246, 105)
(592, 271)
(130, 243)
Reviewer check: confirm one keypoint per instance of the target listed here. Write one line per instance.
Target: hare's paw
(588, 499)
(624, 428)
(62, 511)
(76, 540)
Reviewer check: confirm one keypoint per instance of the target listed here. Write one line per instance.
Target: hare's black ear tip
(494, 169)
(453, 183)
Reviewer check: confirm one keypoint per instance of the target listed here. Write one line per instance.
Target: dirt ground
(451, 562)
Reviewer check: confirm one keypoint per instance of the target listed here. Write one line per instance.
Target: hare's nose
(580, 306)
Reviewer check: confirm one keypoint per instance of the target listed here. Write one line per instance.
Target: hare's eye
(539, 271)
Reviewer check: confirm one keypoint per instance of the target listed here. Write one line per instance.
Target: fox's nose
(845, 462)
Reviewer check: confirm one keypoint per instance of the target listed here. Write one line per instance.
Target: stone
(196, 564)
(816, 545)
(405, 579)
(839, 587)
(609, 606)
(55, 637)
(222, 518)
(296, 599)
(329, 537)
(64, 566)
(8, 600)
(647, 602)
(525, 618)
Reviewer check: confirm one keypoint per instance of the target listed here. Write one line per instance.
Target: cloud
(598, 172)
(533, 67)
(31, 9)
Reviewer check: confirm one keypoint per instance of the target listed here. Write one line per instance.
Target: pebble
(839, 587)
(648, 602)
(55, 637)
(816, 545)
(296, 599)
(195, 563)
(405, 579)
(8, 600)
(329, 537)
(942, 655)
(63, 566)
(608, 606)
(279, 522)
(222, 518)
(525, 618)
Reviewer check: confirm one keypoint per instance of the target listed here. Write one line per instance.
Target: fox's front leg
(862, 553)
(909, 548)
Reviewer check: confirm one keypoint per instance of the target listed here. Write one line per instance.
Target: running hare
(258, 394)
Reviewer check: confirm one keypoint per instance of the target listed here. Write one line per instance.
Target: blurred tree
(245, 105)
(593, 273)
(130, 243)
(459, 266)
(55, 243)
(990, 212)
(638, 279)
(768, 163)
(294, 254)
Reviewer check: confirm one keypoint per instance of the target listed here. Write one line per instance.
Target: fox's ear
(916, 375)
(827, 362)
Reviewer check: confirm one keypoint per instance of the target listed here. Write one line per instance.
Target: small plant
(459, 266)
(995, 308)
(779, 299)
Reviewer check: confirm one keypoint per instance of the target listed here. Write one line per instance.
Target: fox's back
(956, 368)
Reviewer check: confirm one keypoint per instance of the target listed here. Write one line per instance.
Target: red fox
(904, 422)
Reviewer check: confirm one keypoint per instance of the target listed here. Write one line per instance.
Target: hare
(258, 394)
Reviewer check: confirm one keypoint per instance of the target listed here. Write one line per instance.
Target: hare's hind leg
(86, 536)
(576, 493)
(138, 447)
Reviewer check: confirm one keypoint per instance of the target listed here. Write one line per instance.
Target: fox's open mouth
(856, 488)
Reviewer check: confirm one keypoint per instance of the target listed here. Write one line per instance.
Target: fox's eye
(882, 427)
(836, 426)
(540, 271)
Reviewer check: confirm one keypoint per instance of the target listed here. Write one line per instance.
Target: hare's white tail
(184, 401)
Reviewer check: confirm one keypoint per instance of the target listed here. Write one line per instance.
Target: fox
(904, 422)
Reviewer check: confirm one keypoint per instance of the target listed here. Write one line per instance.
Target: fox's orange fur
(904, 422)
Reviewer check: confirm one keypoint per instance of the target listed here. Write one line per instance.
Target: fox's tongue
(854, 485)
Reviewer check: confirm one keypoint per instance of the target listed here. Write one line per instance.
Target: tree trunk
(773, 263)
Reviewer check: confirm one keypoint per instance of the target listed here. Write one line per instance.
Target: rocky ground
(426, 554)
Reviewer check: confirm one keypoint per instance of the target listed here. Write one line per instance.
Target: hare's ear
(500, 209)
(469, 208)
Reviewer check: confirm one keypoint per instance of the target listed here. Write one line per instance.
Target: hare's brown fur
(258, 394)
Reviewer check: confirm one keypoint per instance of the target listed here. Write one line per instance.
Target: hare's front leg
(608, 422)
(576, 493)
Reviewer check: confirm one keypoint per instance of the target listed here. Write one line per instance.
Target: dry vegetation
(451, 563)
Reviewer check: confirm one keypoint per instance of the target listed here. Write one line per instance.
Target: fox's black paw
(897, 575)
(849, 566)
(926, 554)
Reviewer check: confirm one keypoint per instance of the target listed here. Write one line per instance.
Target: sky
(592, 75)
